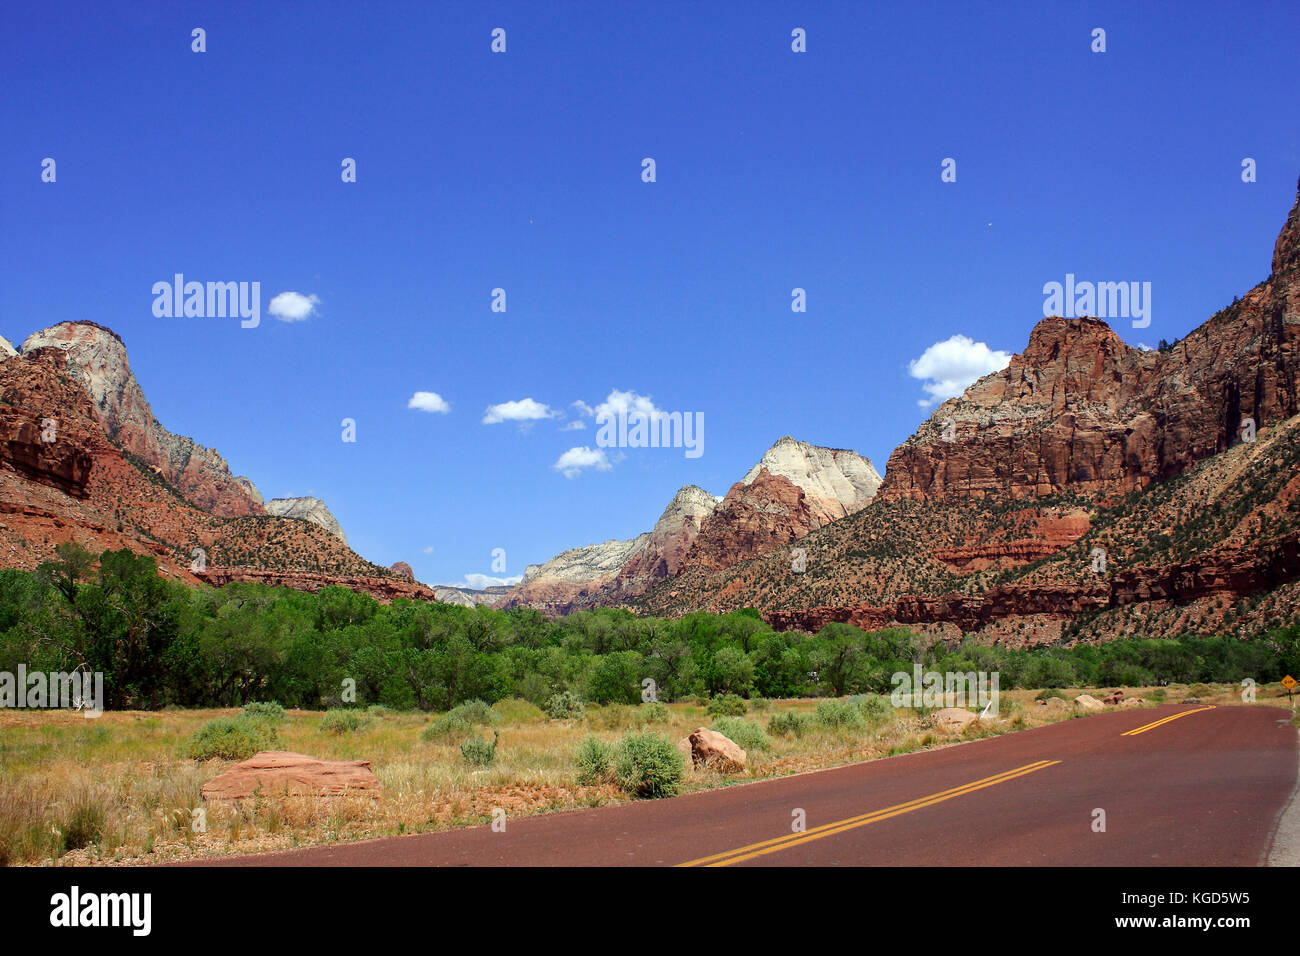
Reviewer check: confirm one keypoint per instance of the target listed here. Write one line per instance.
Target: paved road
(1180, 786)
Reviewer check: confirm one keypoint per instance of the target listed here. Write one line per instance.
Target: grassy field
(118, 790)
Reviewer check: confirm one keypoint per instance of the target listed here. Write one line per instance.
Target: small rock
(952, 719)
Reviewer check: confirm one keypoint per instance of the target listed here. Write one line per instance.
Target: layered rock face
(1087, 491)
(68, 473)
(795, 488)
(97, 358)
(307, 509)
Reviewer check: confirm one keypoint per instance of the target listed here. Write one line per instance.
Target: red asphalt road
(1204, 789)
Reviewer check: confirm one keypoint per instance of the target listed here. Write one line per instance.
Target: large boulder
(713, 751)
(1054, 705)
(279, 773)
(952, 719)
(1088, 704)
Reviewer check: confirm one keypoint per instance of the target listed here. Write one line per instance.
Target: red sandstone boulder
(279, 772)
(712, 750)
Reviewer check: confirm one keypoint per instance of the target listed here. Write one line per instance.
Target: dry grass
(116, 790)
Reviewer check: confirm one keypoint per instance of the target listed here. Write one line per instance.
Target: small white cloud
(292, 306)
(949, 367)
(573, 461)
(428, 402)
(574, 426)
(625, 404)
(583, 408)
(524, 410)
(429, 550)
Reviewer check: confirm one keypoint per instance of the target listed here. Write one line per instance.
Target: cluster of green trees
(161, 643)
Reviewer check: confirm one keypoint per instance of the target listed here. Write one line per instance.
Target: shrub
(446, 727)
(1049, 694)
(615, 717)
(1199, 690)
(565, 705)
(648, 765)
(514, 710)
(476, 712)
(594, 757)
(656, 713)
(378, 710)
(874, 708)
(727, 705)
(231, 738)
(838, 714)
(749, 735)
(343, 721)
(789, 724)
(477, 752)
(265, 710)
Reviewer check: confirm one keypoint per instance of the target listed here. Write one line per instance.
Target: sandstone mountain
(1088, 490)
(6, 348)
(97, 358)
(83, 459)
(794, 488)
(307, 509)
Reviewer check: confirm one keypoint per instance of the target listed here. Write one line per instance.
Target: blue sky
(775, 170)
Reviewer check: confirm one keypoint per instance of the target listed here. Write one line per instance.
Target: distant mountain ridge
(794, 488)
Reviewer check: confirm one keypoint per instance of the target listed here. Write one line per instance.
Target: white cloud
(428, 402)
(947, 368)
(292, 306)
(574, 426)
(583, 408)
(429, 550)
(571, 463)
(625, 404)
(524, 410)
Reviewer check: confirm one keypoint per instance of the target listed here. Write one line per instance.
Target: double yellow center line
(775, 845)
(1160, 723)
(829, 829)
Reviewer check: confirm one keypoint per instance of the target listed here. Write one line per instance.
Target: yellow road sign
(1289, 682)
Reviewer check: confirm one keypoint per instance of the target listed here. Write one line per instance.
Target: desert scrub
(648, 765)
(727, 705)
(231, 738)
(460, 720)
(789, 724)
(477, 752)
(343, 721)
(516, 710)
(655, 713)
(594, 758)
(838, 715)
(873, 708)
(476, 712)
(1049, 693)
(748, 734)
(564, 706)
(265, 710)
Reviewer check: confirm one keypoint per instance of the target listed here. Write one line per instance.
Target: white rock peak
(308, 509)
(840, 481)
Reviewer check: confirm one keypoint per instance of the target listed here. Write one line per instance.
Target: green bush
(838, 715)
(477, 752)
(231, 738)
(447, 727)
(728, 705)
(343, 721)
(83, 823)
(749, 735)
(265, 710)
(594, 758)
(1199, 690)
(565, 705)
(788, 723)
(874, 708)
(648, 765)
(515, 710)
(1049, 694)
(379, 710)
(655, 713)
